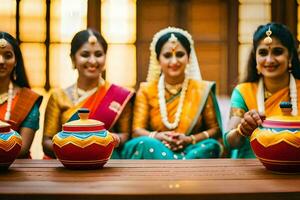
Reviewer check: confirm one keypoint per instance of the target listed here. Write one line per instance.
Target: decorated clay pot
(10, 145)
(277, 142)
(84, 143)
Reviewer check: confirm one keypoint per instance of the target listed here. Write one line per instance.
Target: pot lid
(286, 120)
(4, 127)
(84, 124)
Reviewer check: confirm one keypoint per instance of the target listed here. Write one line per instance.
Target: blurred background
(222, 31)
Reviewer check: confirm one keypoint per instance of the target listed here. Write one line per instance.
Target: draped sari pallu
(105, 105)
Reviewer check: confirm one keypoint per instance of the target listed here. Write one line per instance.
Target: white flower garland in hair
(293, 95)
(154, 70)
(163, 106)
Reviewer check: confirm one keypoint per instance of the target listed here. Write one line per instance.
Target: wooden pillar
(94, 15)
(285, 12)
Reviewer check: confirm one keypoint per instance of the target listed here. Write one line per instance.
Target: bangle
(193, 139)
(206, 134)
(238, 129)
(152, 134)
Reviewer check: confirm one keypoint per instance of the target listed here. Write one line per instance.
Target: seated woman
(273, 74)
(19, 106)
(105, 101)
(176, 115)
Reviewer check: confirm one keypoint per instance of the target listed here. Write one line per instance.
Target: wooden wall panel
(206, 20)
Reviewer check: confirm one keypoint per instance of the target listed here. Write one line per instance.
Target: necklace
(267, 94)
(163, 106)
(10, 95)
(173, 89)
(79, 94)
(260, 97)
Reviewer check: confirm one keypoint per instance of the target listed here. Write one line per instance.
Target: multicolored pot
(10, 145)
(84, 143)
(277, 142)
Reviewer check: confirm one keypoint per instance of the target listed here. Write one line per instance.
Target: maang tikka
(268, 39)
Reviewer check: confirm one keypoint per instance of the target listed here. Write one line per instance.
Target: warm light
(34, 55)
(62, 73)
(8, 17)
(121, 65)
(118, 21)
(67, 18)
(32, 20)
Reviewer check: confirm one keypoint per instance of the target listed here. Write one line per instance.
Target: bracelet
(238, 129)
(193, 139)
(206, 134)
(152, 134)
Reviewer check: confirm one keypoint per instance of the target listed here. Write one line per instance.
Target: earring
(15, 73)
(258, 71)
(290, 67)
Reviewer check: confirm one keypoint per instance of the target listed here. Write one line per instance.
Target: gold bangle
(193, 139)
(152, 134)
(206, 134)
(238, 129)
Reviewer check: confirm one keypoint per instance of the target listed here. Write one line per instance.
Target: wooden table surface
(148, 179)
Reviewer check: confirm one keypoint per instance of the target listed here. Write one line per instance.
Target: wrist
(193, 139)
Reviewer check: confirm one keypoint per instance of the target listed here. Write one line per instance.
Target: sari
(200, 112)
(24, 110)
(243, 99)
(109, 104)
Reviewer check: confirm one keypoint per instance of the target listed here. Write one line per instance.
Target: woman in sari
(19, 106)
(273, 74)
(107, 102)
(176, 115)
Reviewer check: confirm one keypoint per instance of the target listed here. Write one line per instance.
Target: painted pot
(84, 143)
(10, 145)
(277, 142)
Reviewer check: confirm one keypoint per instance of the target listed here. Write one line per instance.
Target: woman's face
(7, 61)
(90, 60)
(272, 60)
(173, 59)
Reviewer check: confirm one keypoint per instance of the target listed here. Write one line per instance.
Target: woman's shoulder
(246, 85)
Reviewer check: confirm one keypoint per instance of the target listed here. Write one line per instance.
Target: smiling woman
(176, 115)
(272, 77)
(88, 54)
(19, 106)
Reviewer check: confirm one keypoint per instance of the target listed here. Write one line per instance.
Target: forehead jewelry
(268, 39)
(174, 40)
(3, 43)
(92, 38)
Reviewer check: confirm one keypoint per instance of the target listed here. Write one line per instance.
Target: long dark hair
(18, 75)
(284, 35)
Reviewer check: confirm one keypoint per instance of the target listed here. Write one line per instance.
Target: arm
(123, 125)
(242, 122)
(52, 124)
(211, 124)
(28, 129)
(141, 117)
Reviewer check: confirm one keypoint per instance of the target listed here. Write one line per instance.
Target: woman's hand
(252, 119)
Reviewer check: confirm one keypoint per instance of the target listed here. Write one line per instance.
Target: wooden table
(148, 179)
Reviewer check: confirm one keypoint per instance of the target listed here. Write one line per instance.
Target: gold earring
(258, 71)
(290, 67)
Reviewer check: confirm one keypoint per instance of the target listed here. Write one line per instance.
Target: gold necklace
(267, 94)
(173, 89)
